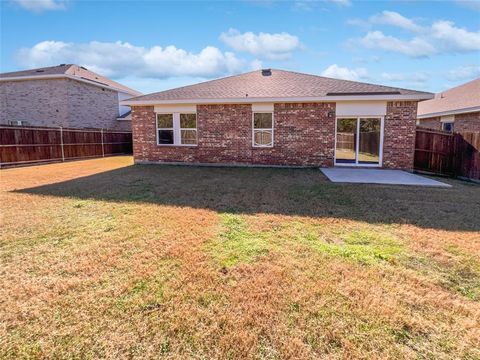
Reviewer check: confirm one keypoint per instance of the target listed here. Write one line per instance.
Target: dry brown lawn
(104, 259)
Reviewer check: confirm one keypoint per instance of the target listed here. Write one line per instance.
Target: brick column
(399, 135)
(143, 131)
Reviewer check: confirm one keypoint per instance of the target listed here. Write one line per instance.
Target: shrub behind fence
(32, 144)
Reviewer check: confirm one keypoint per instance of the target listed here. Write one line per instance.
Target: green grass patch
(148, 294)
(460, 274)
(236, 243)
(363, 245)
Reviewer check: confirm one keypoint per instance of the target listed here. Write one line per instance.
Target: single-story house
(457, 109)
(66, 95)
(275, 117)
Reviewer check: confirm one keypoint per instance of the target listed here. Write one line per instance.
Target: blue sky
(153, 45)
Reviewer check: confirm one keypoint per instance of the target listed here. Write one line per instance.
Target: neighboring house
(276, 117)
(65, 95)
(457, 109)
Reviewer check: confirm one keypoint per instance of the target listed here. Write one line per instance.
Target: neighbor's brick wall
(431, 123)
(92, 106)
(467, 122)
(59, 102)
(463, 122)
(399, 134)
(39, 102)
(304, 135)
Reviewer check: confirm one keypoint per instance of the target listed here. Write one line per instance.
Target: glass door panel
(369, 141)
(345, 152)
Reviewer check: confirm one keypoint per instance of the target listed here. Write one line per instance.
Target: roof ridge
(458, 86)
(204, 82)
(345, 80)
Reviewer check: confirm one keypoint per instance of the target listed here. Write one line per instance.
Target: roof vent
(83, 67)
(62, 64)
(266, 72)
(40, 70)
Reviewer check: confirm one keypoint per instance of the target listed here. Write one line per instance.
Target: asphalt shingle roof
(461, 97)
(279, 84)
(69, 69)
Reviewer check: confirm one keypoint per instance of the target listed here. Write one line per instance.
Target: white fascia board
(250, 100)
(65, 76)
(450, 112)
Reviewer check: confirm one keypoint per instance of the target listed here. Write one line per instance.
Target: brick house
(66, 95)
(455, 109)
(277, 118)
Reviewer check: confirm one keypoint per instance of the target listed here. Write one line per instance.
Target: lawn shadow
(296, 192)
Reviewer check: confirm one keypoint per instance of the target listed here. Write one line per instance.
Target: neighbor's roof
(463, 98)
(280, 85)
(72, 71)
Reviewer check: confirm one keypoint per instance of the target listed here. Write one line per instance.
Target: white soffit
(361, 108)
(181, 108)
(262, 107)
(448, 118)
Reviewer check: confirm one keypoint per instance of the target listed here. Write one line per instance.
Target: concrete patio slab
(378, 176)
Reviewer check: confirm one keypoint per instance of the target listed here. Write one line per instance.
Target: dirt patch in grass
(102, 259)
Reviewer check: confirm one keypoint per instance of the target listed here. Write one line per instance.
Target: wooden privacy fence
(32, 144)
(369, 141)
(452, 154)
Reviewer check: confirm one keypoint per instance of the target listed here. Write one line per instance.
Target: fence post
(103, 150)
(61, 143)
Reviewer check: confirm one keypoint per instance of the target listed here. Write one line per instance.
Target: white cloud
(417, 77)
(470, 4)
(452, 38)
(41, 5)
(277, 46)
(256, 65)
(310, 5)
(464, 72)
(119, 59)
(341, 2)
(416, 47)
(395, 19)
(440, 37)
(338, 72)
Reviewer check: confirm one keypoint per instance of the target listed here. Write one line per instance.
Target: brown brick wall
(399, 134)
(431, 123)
(463, 122)
(467, 122)
(303, 135)
(59, 102)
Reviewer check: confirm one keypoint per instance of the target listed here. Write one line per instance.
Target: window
(165, 129)
(447, 126)
(188, 129)
(263, 129)
(177, 129)
(18, 122)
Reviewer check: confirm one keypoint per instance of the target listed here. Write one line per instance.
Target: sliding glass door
(346, 141)
(358, 141)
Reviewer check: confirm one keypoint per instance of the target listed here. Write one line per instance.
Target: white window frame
(452, 123)
(357, 135)
(177, 131)
(272, 129)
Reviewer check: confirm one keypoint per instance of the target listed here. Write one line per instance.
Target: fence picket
(34, 144)
(441, 152)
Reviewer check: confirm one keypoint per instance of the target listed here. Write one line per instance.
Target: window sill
(178, 145)
(262, 147)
